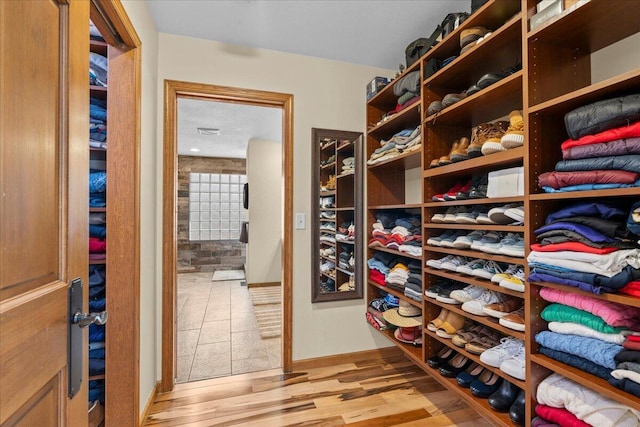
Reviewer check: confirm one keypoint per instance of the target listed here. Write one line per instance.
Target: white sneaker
(454, 263)
(515, 365)
(437, 263)
(470, 266)
(487, 270)
(464, 242)
(487, 297)
(516, 213)
(507, 348)
(469, 293)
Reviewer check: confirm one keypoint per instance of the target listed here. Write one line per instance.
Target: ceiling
(357, 31)
(238, 123)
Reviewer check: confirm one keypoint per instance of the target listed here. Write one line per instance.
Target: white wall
(264, 175)
(327, 94)
(150, 240)
(615, 59)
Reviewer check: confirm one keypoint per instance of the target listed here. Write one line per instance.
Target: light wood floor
(389, 391)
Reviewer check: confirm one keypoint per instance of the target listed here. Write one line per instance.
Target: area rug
(267, 307)
(221, 275)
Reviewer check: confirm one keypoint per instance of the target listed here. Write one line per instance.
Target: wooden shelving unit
(555, 78)
(330, 148)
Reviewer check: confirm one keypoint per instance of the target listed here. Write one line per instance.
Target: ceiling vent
(209, 131)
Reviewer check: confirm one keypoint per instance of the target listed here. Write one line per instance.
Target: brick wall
(205, 255)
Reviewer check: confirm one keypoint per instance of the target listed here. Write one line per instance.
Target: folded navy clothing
(98, 136)
(97, 200)
(585, 231)
(602, 115)
(97, 181)
(97, 112)
(96, 274)
(96, 332)
(542, 277)
(96, 390)
(626, 385)
(620, 280)
(97, 304)
(99, 231)
(607, 227)
(96, 366)
(561, 236)
(577, 362)
(98, 353)
(629, 163)
(628, 356)
(600, 210)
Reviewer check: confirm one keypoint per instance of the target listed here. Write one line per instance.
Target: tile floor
(217, 332)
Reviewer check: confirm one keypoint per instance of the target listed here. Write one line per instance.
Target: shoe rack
(344, 189)
(387, 186)
(555, 78)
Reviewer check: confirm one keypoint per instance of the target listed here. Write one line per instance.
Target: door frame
(172, 91)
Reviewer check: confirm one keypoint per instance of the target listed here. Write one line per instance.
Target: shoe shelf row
(392, 251)
(559, 79)
(493, 200)
(509, 228)
(475, 254)
(470, 280)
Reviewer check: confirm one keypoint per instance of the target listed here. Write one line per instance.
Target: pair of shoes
(487, 133)
(446, 238)
(444, 296)
(514, 320)
(487, 297)
(452, 98)
(508, 356)
(469, 375)
(503, 308)
(434, 107)
(503, 398)
(457, 153)
(433, 290)
(445, 325)
(455, 365)
(471, 35)
(473, 331)
(466, 240)
(489, 237)
(511, 244)
(514, 136)
(512, 278)
(477, 189)
(490, 78)
(486, 384)
(452, 193)
(507, 214)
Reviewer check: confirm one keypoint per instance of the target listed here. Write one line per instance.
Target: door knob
(85, 319)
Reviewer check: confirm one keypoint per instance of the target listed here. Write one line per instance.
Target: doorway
(174, 91)
(223, 327)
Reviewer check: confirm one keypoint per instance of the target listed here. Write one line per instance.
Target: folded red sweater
(571, 246)
(560, 416)
(631, 288)
(97, 245)
(604, 136)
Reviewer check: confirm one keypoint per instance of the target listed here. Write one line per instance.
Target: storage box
(375, 85)
(506, 183)
(545, 14)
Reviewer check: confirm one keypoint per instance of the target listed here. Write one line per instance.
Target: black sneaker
(475, 181)
(440, 285)
(480, 189)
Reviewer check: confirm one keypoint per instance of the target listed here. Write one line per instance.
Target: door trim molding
(172, 91)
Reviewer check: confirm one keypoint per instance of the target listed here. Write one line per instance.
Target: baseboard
(338, 359)
(262, 285)
(147, 407)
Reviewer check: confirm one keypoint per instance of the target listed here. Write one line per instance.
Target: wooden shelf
(479, 405)
(496, 51)
(97, 261)
(348, 148)
(475, 358)
(347, 242)
(503, 96)
(590, 27)
(492, 201)
(406, 118)
(98, 46)
(385, 97)
(327, 193)
(96, 377)
(328, 165)
(342, 270)
(405, 161)
(329, 145)
(617, 298)
(479, 164)
(389, 207)
(412, 352)
(328, 276)
(589, 381)
(392, 251)
(327, 258)
(347, 175)
(97, 210)
(508, 228)
(96, 149)
(491, 15)
(472, 280)
(593, 194)
(344, 209)
(396, 293)
(475, 254)
(485, 320)
(622, 84)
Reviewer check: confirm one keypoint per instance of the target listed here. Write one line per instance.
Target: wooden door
(43, 205)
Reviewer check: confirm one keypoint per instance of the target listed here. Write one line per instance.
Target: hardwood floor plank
(390, 391)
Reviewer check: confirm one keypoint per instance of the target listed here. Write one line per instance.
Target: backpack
(419, 47)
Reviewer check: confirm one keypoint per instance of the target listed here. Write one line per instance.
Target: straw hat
(405, 316)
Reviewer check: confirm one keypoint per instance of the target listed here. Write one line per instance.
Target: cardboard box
(375, 85)
(506, 183)
(543, 5)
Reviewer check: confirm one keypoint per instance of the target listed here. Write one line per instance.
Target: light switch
(300, 221)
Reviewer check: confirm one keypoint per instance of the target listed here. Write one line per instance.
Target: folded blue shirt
(592, 349)
(583, 230)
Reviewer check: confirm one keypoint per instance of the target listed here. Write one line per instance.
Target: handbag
(415, 50)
